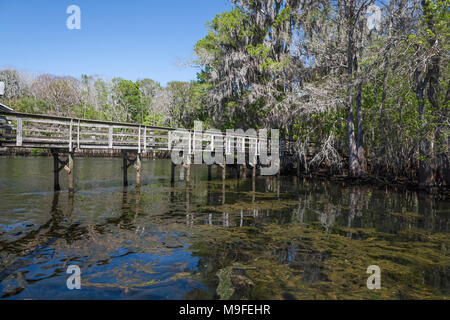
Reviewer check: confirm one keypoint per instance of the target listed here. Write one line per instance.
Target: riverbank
(396, 183)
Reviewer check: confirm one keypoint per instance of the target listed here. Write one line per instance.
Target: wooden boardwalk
(51, 132)
(43, 131)
(64, 135)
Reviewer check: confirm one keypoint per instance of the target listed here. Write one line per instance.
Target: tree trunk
(425, 172)
(430, 162)
(382, 149)
(359, 123)
(353, 163)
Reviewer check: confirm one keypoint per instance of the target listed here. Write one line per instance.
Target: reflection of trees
(355, 206)
(86, 242)
(332, 205)
(239, 226)
(302, 259)
(328, 218)
(427, 207)
(34, 243)
(284, 251)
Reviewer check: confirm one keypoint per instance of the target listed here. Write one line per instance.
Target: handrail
(68, 119)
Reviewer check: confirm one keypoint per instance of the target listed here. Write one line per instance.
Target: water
(282, 238)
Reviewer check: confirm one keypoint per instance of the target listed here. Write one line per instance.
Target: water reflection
(264, 237)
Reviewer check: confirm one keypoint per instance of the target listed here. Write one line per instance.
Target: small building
(4, 108)
(5, 124)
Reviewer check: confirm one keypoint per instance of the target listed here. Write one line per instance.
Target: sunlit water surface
(272, 238)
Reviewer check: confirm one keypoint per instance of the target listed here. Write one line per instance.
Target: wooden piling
(56, 185)
(125, 169)
(188, 173)
(244, 170)
(138, 170)
(182, 172)
(278, 164)
(172, 173)
(224, 171)
(71, 174)
(223, 192)
(253, 190)
(278, 188)
(188, 168)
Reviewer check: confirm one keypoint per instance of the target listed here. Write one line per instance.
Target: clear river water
(268, 238)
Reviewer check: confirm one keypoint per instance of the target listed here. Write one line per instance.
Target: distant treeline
(367, 80)
(91, 97)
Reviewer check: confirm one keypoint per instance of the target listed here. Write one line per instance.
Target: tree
(151, 96)
(246, 57)
(128, 98)
(431, 56)
(61, 93)
(186, 102)
(14, 84)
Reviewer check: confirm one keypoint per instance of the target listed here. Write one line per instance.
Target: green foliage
(187, 102)
(241, 52)
(282, 17)
(154, 119)
(129, 98)
(37, 151)
(30, 105)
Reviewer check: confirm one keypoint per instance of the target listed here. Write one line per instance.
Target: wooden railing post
(139, 140)
(19, 132)
(70, 136)
(169, 141)
(78, 135)
(145, 139)
(110, 137)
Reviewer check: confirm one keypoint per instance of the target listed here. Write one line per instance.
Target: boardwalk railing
(65, 135)
(44, 131)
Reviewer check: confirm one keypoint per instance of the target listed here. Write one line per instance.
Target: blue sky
(130, 39)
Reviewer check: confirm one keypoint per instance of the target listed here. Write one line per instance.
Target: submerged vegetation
(271, 238)
(301, 261)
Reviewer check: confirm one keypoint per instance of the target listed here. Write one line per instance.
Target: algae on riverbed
(302, 261)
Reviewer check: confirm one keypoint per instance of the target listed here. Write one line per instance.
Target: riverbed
(268, 238)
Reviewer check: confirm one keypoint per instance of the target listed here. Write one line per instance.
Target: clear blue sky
(130, 39)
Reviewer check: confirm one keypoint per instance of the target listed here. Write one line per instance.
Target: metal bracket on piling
(129, 162)
(136, 163)
(59, 165)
